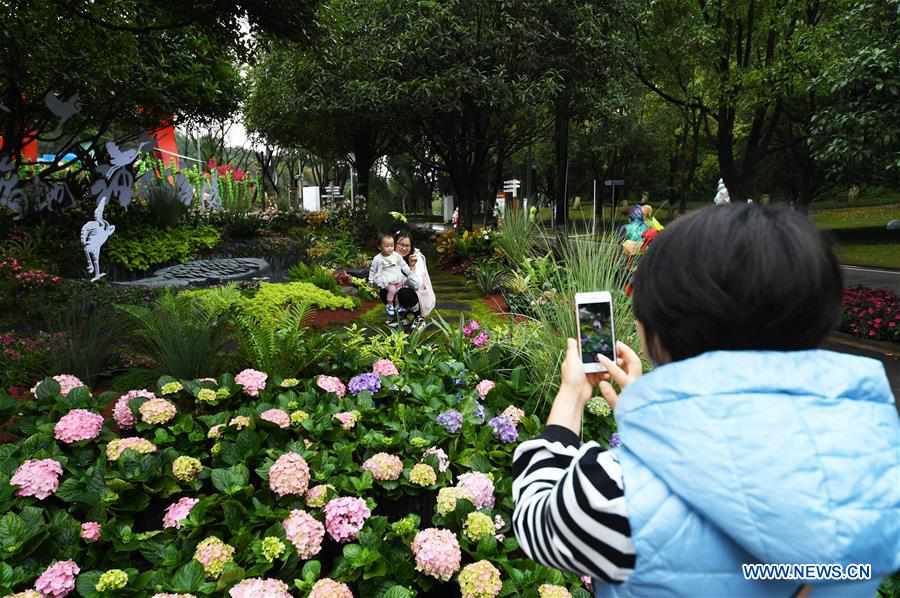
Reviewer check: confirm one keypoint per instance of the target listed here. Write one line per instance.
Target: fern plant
(180, 335)
(282, 346)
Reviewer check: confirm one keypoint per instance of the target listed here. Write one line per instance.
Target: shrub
(271, 298)
(283, 345)
(871, 313)
(152, 247)
(179, 335)
(317, 275)
(152, 522)
(164, 205)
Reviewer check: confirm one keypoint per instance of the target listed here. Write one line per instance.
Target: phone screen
(595, 329)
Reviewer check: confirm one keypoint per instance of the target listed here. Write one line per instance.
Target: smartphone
(594, 315)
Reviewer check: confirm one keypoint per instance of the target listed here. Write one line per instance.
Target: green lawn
(859, 231)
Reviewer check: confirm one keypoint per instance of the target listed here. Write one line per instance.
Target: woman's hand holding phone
(576, 387)
(626, 370)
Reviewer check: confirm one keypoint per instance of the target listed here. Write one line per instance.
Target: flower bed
(871, 313)
(376, 478)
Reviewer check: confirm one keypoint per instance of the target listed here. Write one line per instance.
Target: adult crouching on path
(747, 444)
(416, 298)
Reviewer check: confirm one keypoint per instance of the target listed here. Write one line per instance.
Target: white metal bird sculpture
(94, 235)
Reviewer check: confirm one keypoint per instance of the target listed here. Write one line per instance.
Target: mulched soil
(323, 318)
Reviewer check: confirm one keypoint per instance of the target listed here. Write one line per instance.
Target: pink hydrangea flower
(484, 387)
(122, 411)
(384, 466)
(480, 580)
(279, 417)
(260, 588)
(116, 447)
(166, 595)
(514, 414)
(78, 425)
(315, 496)
(385, 367)
(344, 517)
(67, 383)
(547, 590)
(213, 554)
(178, 512)
(58, 579)
(480, 487)
(289, 475)
(253, 381)
(91, 531)
(331, 384)
(587, 581)
(37, 477)
(328, 588)
(438, 453)
(305, 532)
(437, 553)
(347, 419)
(157, 411)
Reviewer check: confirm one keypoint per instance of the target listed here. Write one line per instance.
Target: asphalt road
(872, 277)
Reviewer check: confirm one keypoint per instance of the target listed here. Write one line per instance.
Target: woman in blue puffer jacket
(747, 445)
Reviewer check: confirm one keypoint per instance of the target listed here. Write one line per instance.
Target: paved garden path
(454, 295)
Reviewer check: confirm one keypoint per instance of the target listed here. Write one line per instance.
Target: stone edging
(886, 349)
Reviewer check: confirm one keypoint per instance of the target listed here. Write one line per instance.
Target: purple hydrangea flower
(614, 440)
(504, 429)
(451, 420)
(479, 412)
(459, 382)
(368, 381)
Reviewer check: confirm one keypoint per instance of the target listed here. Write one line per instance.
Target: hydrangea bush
(373, 477)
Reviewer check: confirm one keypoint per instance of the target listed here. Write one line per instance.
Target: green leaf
(311, 571)
(398, 592)
(188, 578)
(87, 584)
(231, 480)
(47, 390)
(13, 534)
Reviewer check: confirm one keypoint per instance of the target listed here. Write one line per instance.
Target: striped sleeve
(570, 506)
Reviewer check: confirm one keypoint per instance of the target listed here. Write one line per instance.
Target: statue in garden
(11, 198)
(722, 196)
(185, 190)
(633, 232)
(94, 235)
(209, 197)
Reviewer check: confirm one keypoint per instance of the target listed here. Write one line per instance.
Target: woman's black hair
(737, 277)
(401, 234)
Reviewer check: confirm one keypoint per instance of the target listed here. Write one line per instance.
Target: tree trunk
(562, 111)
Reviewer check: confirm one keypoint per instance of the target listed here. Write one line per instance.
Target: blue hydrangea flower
(368, 381)
(504, 429)
(451, 420)
(479, 412)
(614, 440)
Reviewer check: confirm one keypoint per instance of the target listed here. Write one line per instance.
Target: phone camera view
(594, 322)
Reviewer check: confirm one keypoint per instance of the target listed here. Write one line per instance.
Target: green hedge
(155, 246)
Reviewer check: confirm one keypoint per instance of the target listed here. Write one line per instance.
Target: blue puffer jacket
(759, 457)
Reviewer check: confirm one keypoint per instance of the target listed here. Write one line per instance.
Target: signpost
(512, 186)
(332, 192)
(614, 183)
